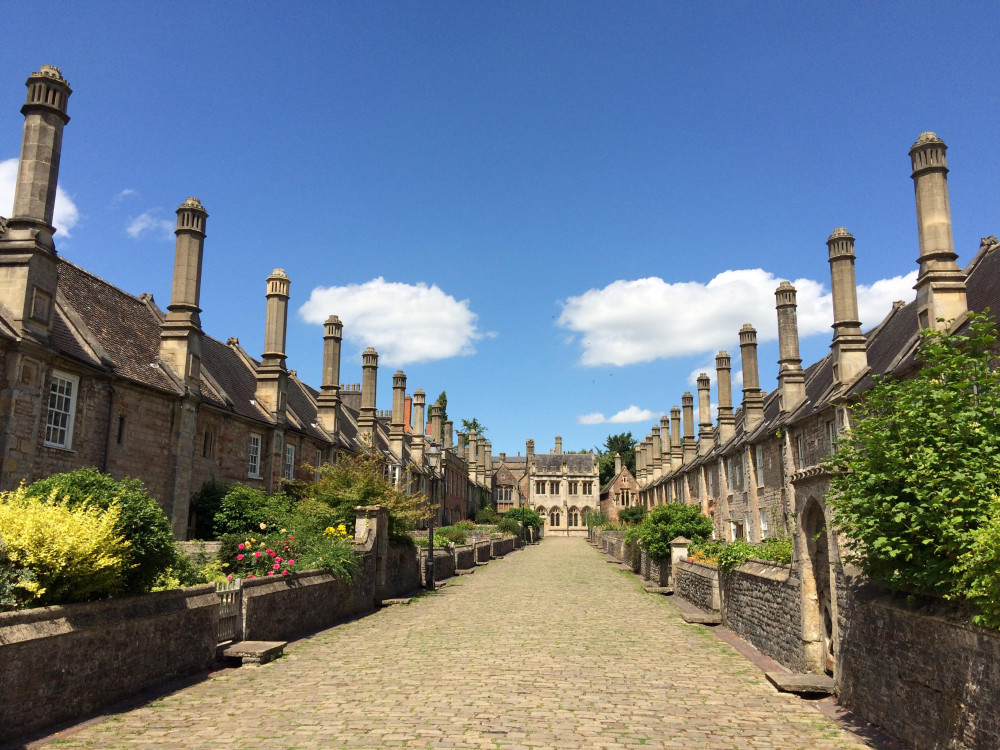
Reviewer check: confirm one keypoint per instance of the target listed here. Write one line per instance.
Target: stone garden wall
(698, 583)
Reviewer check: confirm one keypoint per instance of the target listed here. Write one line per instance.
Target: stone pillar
(676, 449)
(473, 448)
(618, 464)
(180, 332)
(449, 435)
(397, 425)
(940, 283)
(753, 399)
(727, 420)
(328, 401)
(849, 347)
(417, 437)
(655, 460)
(371, 530)
(664, 445)
(791, 377)
(436, 426)
(690, 449)
(488, 463)
(678, 552)
(706, 436)
(272, 377)
(28, 272)
(558, 443)
(369, 382)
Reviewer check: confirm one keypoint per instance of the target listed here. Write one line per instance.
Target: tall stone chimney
(940, 283)
(665, 467)
(618, 464)
(690, 449)
(473, 448)
(727, 420)
(369, 383)
(328, 401)
(449, 435)
(849, 347)
(272, 377)
(180, 332)
(488, 463)
(640, 462)
(417, 438)
(436, 426)
(791, 377)
(397, 425)
(28, 271)
(558, 443)
(706, 436)
(529, 447)
(655, 460)
(676, 448)
(753, 399)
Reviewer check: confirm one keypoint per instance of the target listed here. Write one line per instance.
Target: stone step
(702, 618)
(465, 572)
(394, 602)
(666, 590)
(255, 652)
(801, 684)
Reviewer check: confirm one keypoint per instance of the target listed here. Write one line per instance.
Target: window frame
(254, 457)
(288, 467)
(69, 413)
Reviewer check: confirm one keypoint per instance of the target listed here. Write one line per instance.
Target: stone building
(759, 472)
(94, 376)
(622, 491)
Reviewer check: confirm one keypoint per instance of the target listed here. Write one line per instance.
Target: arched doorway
(817, 592)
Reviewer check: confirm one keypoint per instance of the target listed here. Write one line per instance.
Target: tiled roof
(576, 463)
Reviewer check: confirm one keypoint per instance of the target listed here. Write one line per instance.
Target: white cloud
(642, 320)
(65, 214)
(147, 222)
(626, 416)
(122, 196)
(404, 322)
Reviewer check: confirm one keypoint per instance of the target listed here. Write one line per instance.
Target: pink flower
(284, 572)
(270, 572)
(291, 563)
(271, 552)
(241, 545)
(279, 559)
(251, 575)
(229, 577)
(257, 553)
(276, 566)
(291, 538)
(239, 557)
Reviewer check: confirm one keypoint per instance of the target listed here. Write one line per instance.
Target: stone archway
(817, 591)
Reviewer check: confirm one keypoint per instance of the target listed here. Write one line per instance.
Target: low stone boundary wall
(444, 565)
(402, 570)
(761, 603)
(655, 571)
(59, 663)
(502, 546)
(698, 583)
(932, 681)
(465, 557)
(484, 551)
(613, 542)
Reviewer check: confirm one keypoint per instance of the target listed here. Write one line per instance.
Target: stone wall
(483, 551)
(655, 571)
(698, 583)
(60, 663)
(613, 542)
(444, 565)
(279, 609)
(761, 603)
(402, 576)
(933, 681)
(465, 557)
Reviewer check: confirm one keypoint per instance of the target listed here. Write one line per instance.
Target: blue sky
(524, 204)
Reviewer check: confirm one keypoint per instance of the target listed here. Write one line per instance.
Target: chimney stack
(727, 420)
(940, 283)
(753, 399)
(706, 436)
(417, 438)
(472, 446)
(664, 445)
(369, 383)
(849, 347)
(488, 463)
(397, 424)
(328, 400)
(436, 426)
(272, 377)
(558, 443)
(676, 448)
(690, 449)
(449, 436)
(618, 464)
(791, 377)
(180, 332)
(655, 460)
(27, 253)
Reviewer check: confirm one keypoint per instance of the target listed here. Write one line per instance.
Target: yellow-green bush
(73, 553)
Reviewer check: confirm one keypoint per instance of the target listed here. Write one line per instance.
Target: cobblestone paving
(548, 648)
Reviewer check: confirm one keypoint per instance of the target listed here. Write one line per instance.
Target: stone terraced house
(95, 376)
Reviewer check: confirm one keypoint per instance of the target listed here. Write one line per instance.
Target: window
(540, 488)
(121, 429)
(709, 483)
(208, 444)
(736, 529)
(62, 410)
(254, 468)
(554, 518)
(319, 462)
(573, 487)
(588, 488)
(759, 464)
(764, 519)
(289, 462)
(831, 434)
(553, 488)
(800, 450)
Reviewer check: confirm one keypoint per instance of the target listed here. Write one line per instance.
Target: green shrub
(486, 514)
(664, 523)
(275, 551)
(914, 479)
(632, 515)
(509, 526)
(243, 509)
(16, 581)
(595, 518)
(73, 550)
(141, 522)
(206, 504)
(528, 517)
(707, 551)
(980, 571)
(465, 525)
(452, 534)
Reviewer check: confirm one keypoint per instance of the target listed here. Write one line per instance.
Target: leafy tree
(528, 517)
(632, 515)
(624, 445)
(914, 479)
(664, 523)
(473, 424)
(442, 401)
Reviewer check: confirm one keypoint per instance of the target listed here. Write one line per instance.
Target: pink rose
(270, 572)
(239, 557)
(291, 538)
(284, 572)
(279, 559)
(251, 575)
(241, 545)
(271, 552)
(291, 563)
(229, 577)
(276, 566)
(257, 553)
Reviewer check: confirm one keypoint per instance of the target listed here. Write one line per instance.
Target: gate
(230, 596)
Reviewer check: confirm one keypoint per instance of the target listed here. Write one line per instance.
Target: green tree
(624, 445)
(442, 401)
(664, 523)
(913, 481)
(473, 424)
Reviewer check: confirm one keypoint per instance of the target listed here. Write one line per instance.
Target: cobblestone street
(550, 647)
